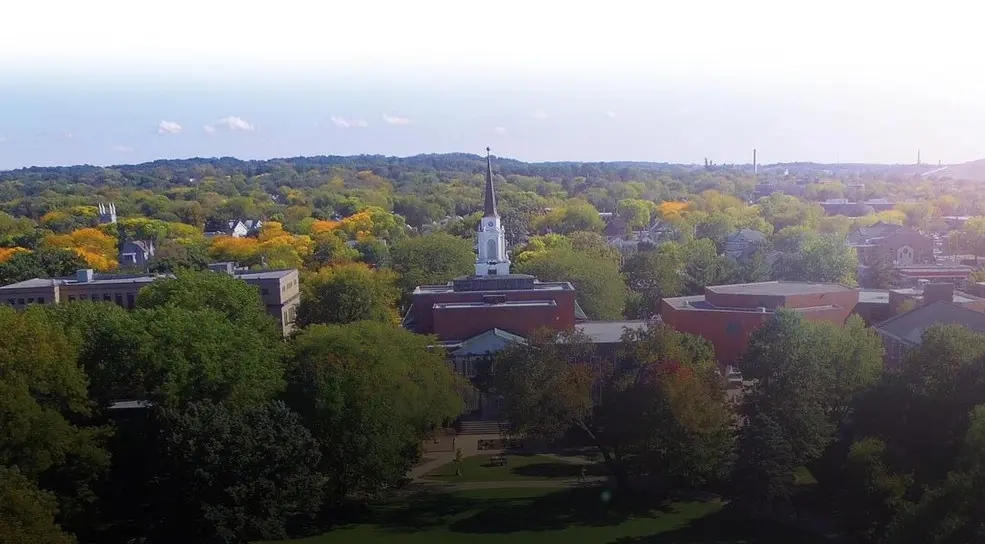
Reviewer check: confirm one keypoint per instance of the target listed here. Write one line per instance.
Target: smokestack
(918, 157)
(755, 167)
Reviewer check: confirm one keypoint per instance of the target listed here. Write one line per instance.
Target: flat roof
(778, 288)
(107, 279)
(538, 286)
(508, 304)
(266, 274)
(608, 332)
(699, 303)
(874, 296)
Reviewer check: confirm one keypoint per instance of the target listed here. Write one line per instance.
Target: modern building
(727, 315)
(904, 332)
(278, 289)
(900, 245)
(912, 275)
(135, 253)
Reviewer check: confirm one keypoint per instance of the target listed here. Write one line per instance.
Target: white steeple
(492, 258)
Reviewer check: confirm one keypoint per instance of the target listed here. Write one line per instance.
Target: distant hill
(972, 170)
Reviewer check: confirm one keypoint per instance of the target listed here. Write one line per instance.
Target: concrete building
(727, 315)
(278, 289)
(903, 333)
(900, 245)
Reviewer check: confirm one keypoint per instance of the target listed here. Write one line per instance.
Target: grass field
(528, 516)
(520, 467)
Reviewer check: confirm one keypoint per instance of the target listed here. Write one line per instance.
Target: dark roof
(778, 288)
(490, 204)
(909, 327)
(875, 231)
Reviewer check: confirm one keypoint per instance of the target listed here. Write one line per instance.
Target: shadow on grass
(558, 470)
(729, 527)
(577, 507)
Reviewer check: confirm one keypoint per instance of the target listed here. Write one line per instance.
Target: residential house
(743, 243)
(135, 253)
(237, 228)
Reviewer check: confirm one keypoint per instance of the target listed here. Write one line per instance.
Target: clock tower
(492, 259)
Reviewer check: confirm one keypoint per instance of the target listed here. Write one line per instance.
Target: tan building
(278, 289)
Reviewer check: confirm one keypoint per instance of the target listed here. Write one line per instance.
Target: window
(30, 300)
(129, 300)
(71, 298)
(107, 298)
(11, 301)
(119, 299)
(20, 301)
(40, 300)
(94, 297)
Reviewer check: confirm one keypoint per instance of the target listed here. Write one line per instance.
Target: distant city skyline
(844, 82)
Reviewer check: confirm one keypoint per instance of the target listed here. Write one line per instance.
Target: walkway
(441, 486)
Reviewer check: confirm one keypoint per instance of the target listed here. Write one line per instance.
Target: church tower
(492, 259)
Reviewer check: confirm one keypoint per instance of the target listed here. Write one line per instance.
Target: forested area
(240, 435)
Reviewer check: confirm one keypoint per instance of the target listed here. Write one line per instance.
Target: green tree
(231, 474)
(28, 514)
(871, 494)
(822, 258)
(653, 274)
(431, 259)
(41, 263)
(659, 417)
(237, 300)
(346, 293)
(635, 212)
(369, 392)
(597, 281)
(762, 476)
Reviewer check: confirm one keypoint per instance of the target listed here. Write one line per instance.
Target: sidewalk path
(443, 486)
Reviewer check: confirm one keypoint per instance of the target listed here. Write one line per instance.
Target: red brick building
(728, 314)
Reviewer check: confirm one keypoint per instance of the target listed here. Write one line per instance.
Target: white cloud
(236, 123)
(540, 115)
(168, 127)
(500, 130)
(342, 122)
(610, 114)
(394, 120)
(209, 129)
(120, 148)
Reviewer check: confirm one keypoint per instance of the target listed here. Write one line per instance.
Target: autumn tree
(596, 279)
(97, 248)
(41, 263)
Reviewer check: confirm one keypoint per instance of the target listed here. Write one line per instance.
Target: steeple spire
(490, 208)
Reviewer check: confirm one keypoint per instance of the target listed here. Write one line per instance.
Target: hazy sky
(106, 82)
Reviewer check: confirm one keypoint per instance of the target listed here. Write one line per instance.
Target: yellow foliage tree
(8, 252)
(95, 246)
(245, 251)
(321, 226)
(282, 249)
(671, 209)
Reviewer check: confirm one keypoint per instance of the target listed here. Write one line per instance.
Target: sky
(111, 82)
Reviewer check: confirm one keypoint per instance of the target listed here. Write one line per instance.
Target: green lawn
(528, 516)
(519, 467)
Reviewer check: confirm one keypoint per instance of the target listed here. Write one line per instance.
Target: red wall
(729, 331)
(462, 323)
(455, 322)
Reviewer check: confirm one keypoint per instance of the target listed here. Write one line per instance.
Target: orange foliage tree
(96, 247)
(8, 252)
(670, 209)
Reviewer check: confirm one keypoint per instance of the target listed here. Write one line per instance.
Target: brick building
(900, 245)
(727, 315)
(278, 289)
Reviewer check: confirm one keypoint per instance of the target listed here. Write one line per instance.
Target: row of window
(118, 298)
(21, 301)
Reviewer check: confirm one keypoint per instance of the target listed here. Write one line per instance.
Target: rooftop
(266, 274)
(911, 325)
(778, 288)
(98, 279)
(608, 332)
(507, 304)
(506, 282)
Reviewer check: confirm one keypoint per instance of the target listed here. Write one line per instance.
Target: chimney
(936, 292)
(84, 275)
(755, 167)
